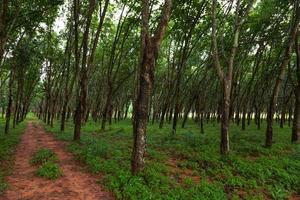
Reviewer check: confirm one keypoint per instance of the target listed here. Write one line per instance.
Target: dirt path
(75, 184)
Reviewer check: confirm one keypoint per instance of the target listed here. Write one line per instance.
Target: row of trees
(23, 46)
(212, 61)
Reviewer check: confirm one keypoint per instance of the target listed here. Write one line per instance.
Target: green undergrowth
(188, 165)
(46, 159)
(49, 170)
(43, 155)
(8, 143)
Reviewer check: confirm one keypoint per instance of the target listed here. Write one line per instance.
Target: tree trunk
(150, 48)
(249, 118)
(187, 111)
(227, 78)
(224, 147)
(3, 15)
(280, 78)
(162, 116)
(63, 114)
(141, 110)
(244, 120)
(296, 120)
(201, 123)
(9, 106)
(106, 107)
(83, 79)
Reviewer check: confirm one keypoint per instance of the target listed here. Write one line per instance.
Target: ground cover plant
(46, 160)
(43, 155)
(8, 144)
(49, 170)
(168, 99)
(188, 165)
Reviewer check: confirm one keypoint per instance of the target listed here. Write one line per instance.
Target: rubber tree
(296, 120)
(282, 71)
(149, 54)
(226, 77)
(83, 78)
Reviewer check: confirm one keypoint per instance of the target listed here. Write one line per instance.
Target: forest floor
(188, 165)
(183, 166)
(74, 183)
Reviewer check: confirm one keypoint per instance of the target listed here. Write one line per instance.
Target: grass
(43, 155)
(8, 144)
(188, 165)
(46, 159)
(49, 170)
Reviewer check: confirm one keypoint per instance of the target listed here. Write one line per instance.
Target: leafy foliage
(46, 159)
(42, 156)
(49, 170)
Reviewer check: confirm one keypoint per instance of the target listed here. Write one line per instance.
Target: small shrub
(94, 165)
(46, 159)
(43, 155)
(3, 185)
(188, 181)
(277, 192)
(49, 170)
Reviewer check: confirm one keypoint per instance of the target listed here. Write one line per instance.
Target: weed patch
(49, 170)
(188, 165)
(46, 159)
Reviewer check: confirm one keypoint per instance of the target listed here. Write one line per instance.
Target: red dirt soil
(183, 173)
(74, 184)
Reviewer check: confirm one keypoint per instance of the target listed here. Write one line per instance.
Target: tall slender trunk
(83, 79)
(63, 113)
(16, 110)
(280, 78)
(126, 110)
(87, 114)
(149, 54)
(227, 78)
(49, 111)
(290, 115)
(81, 104)
(177, 102)
(244, 120)
(162, 116)
(3, 15)
(67, 92)
(201, 123)
(9, 105)
(107, 106)
(141, 110)
(187, 111)
(296, 120)
(224, 146)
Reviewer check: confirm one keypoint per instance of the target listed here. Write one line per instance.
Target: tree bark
(224, 146)
(67, 92)
(226, 79)
(9, 106)
(296, 120)
(149, 54)
(83, 79)
(106, 108)
(3, 14)
(244, 120)
(280, 78)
